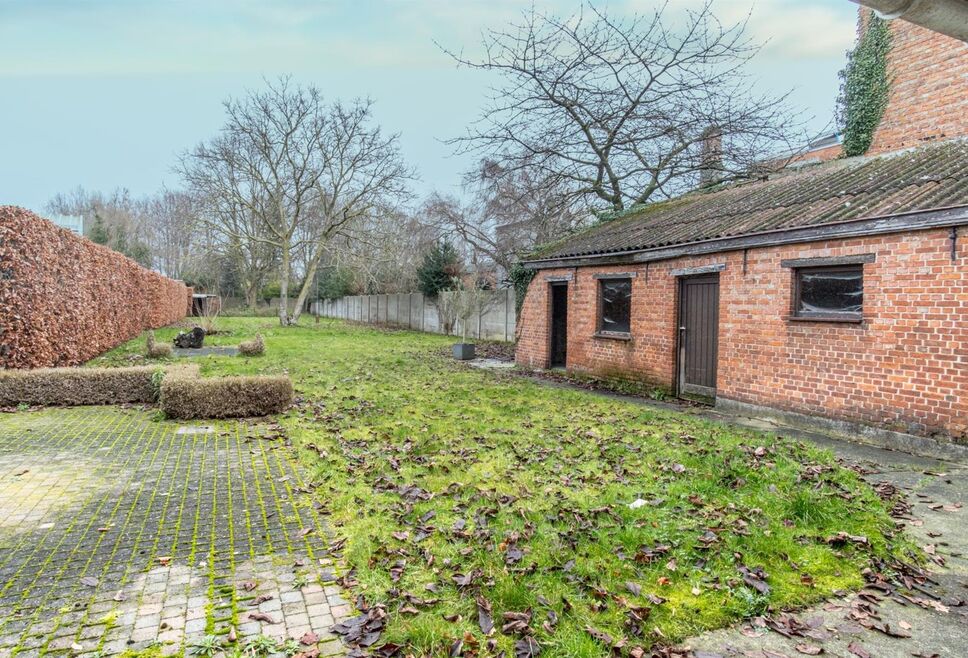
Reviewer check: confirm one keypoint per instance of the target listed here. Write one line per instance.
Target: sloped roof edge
(842, 192)
(911, 221)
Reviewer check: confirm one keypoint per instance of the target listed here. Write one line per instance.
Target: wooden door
(559, 325)
(698, 335)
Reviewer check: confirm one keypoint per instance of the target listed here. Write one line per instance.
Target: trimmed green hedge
(224, 397)
(81, 386)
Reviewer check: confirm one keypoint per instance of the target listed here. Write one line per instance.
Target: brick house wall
(928, 100)
(929, 88)
(904, 368)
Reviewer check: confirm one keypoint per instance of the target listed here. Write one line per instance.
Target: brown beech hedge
(65, 299)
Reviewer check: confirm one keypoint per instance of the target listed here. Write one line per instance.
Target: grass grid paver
(43, 582)
(120, 533)
(107, 564)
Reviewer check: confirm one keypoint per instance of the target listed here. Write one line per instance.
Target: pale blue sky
(106, 93)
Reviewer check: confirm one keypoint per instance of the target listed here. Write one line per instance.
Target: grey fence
(414, 311)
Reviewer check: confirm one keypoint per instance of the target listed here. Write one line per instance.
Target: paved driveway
(119, 531)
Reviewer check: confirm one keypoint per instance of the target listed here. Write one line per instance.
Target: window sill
(855, 319)
(613, 335)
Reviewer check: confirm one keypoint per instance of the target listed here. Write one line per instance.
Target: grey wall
(413, 311)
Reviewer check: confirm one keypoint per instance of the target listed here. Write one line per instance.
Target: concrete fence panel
(414, 311)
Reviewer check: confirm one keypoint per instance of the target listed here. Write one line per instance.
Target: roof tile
(925, 178)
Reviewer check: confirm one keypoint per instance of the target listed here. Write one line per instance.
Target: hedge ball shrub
(254, 347)
(157, 350)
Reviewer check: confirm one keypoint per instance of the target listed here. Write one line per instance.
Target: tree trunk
(284, 287)
(252, 296)
(307, 285)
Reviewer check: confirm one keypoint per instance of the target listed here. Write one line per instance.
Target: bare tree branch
(616, 109)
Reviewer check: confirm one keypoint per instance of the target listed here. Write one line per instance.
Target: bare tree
(241, 239)
(618, 109)
(113, 220)
(382, 251)
(266, 162)
(171, 225)
(362, 173)
(507, 213)
(290, 172)
(470, 300)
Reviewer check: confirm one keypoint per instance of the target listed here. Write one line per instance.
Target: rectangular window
(829, 293)
(616, 305)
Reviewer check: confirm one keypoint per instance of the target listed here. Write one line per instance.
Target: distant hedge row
(65, 299)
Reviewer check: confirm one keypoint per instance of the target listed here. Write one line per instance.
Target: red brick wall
(929, 88)
(65, 299)
(905, 367)
(929, 91)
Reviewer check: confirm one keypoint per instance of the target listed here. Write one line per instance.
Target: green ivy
(864, 87)
(520, 277)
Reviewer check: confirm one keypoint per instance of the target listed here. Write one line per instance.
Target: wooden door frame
(551, 322)
(680, 387)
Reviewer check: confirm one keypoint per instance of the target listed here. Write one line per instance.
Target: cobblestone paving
(118, 531)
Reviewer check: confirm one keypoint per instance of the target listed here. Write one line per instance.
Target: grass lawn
(458, 490)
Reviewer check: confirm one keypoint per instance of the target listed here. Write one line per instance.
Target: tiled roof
(925, 178)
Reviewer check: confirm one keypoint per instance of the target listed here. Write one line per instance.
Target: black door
(559, 325)
(698, 335)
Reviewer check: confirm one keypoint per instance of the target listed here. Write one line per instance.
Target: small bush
(78, 386)
(224, 397)
(254, 347)
(157, 350)
(160, 351)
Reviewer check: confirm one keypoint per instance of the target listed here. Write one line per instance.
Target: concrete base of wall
(858, 432)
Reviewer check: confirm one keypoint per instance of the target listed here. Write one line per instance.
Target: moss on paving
(527, 488)
(106, 495)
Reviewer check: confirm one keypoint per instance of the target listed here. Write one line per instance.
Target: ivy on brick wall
(520, 277)
(864, 87)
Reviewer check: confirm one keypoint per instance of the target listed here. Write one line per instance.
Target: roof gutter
(911, 221)
(945, 16)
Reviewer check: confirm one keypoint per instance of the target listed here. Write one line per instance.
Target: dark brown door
(559, 325)
(698, 335)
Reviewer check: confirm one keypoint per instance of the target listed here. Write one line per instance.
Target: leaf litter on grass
(543, 524)
(449, 486)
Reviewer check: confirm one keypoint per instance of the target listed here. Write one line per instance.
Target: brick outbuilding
(836, 290)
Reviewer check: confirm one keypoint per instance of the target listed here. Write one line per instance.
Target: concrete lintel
(859, 259)
(702, 269)
(615, 275)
